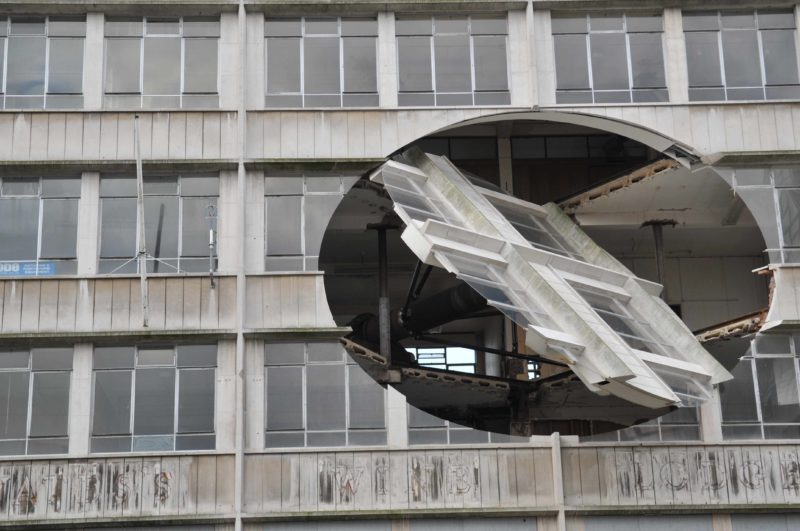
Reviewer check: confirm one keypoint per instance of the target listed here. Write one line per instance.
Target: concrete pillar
(89, 224)
(80, 400)
(255, 70)
(254, 394)
(227, 227)
(675, 55)
(225, 390)
(387, 61)
(396, 420)
(545, 67)
(229, 42)
(519, 59)
(93, 62)
(711, 419)
(254, 225)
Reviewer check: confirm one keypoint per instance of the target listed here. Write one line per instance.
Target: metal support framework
(515, 355)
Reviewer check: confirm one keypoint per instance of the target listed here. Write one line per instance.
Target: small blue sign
(27, 269)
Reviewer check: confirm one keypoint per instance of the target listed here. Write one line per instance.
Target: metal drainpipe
(238, 495)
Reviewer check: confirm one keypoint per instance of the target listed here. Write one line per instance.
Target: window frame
(182, 94)
(46, 94)
(132, 404)
(434, 92)
(631, 90)
(763, 87)
(340, 37)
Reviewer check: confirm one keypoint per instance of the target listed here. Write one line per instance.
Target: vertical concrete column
(80, 400)
(711, 419)
(675, 54)
(545, 72)
(255, 71)
(225, 390)
(93, 62)
(254, 225)
(228, 222)
(504, 158)
(387, 61)
(797, 34)
(254, 394)
(558, 482)
(397, 419)
(89, 223)
(229, 43)
(519, 59)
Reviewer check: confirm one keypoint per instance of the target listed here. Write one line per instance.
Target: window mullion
(176, 407)
(30, 404)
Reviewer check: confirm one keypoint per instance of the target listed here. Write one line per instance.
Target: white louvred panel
(541, 271)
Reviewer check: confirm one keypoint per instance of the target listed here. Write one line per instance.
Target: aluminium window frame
(432, 48)
(760, 50)
(176, 409)
(346, 363)
(48, 38)
(590, 73)
(340, 40)
(182, 70)
(29, 414)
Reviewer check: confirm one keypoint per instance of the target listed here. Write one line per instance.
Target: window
(41, 62)
(763, 399)
(446, 358)
(316, 396)
(297, 213)
(535, 265)
(177, 211)
(449, 61)
(609, 59)
(321, 62)
(34, 401)
(163, 63)
(424, 428)
(39, 225)
(741, 55)
(154, 398)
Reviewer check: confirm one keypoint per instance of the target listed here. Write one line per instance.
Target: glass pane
(702, 56)
(414, 64)
(112, 402)
(52, 359)
(643, 23)
(319, 209)
(118, 186)
(161, 227)
(325, 396)
(114, 357)
(647, 60)
(777, 387)
(284, 396)
(321, 65)
(110, 444)
(738, 20)
(366, 400)
(122, 65)
(283, 186)
(66, 27)
(13, 404)
(200, 27)
(20, 187)
(200, 66)
(420, 419)
(196, 401)
(50, 404)
(742, 64)
(155, 356)
(118, 228)
(572, 67)
(490, 63)
(123, 27)
(609, 61)
(15, 359)
(413, 26)
(284, 354)
(195, 227)
(19, 226)
(61, 187)
(154, 413)
(66, 66)
(59, 228)
(162, 60)
(283, 66)
(359, 64)
(789, 205)
(562, 24)
(195, 442)
(359, 27)
(322, 352)
(780, 57)
(25, 65)
(488, 25)
(162, 26)
(284, 225)
(157, 443)
(27, 26)
(453, 73)
(775, 19)
(48, 446)
(197, 355)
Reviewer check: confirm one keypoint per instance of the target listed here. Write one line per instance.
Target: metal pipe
(515, 355)
(661, 271)
(384, 310)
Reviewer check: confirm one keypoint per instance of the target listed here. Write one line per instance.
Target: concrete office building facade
(235, 406)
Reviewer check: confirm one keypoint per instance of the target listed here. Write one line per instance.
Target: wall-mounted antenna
(141, 255)
(211, 217)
